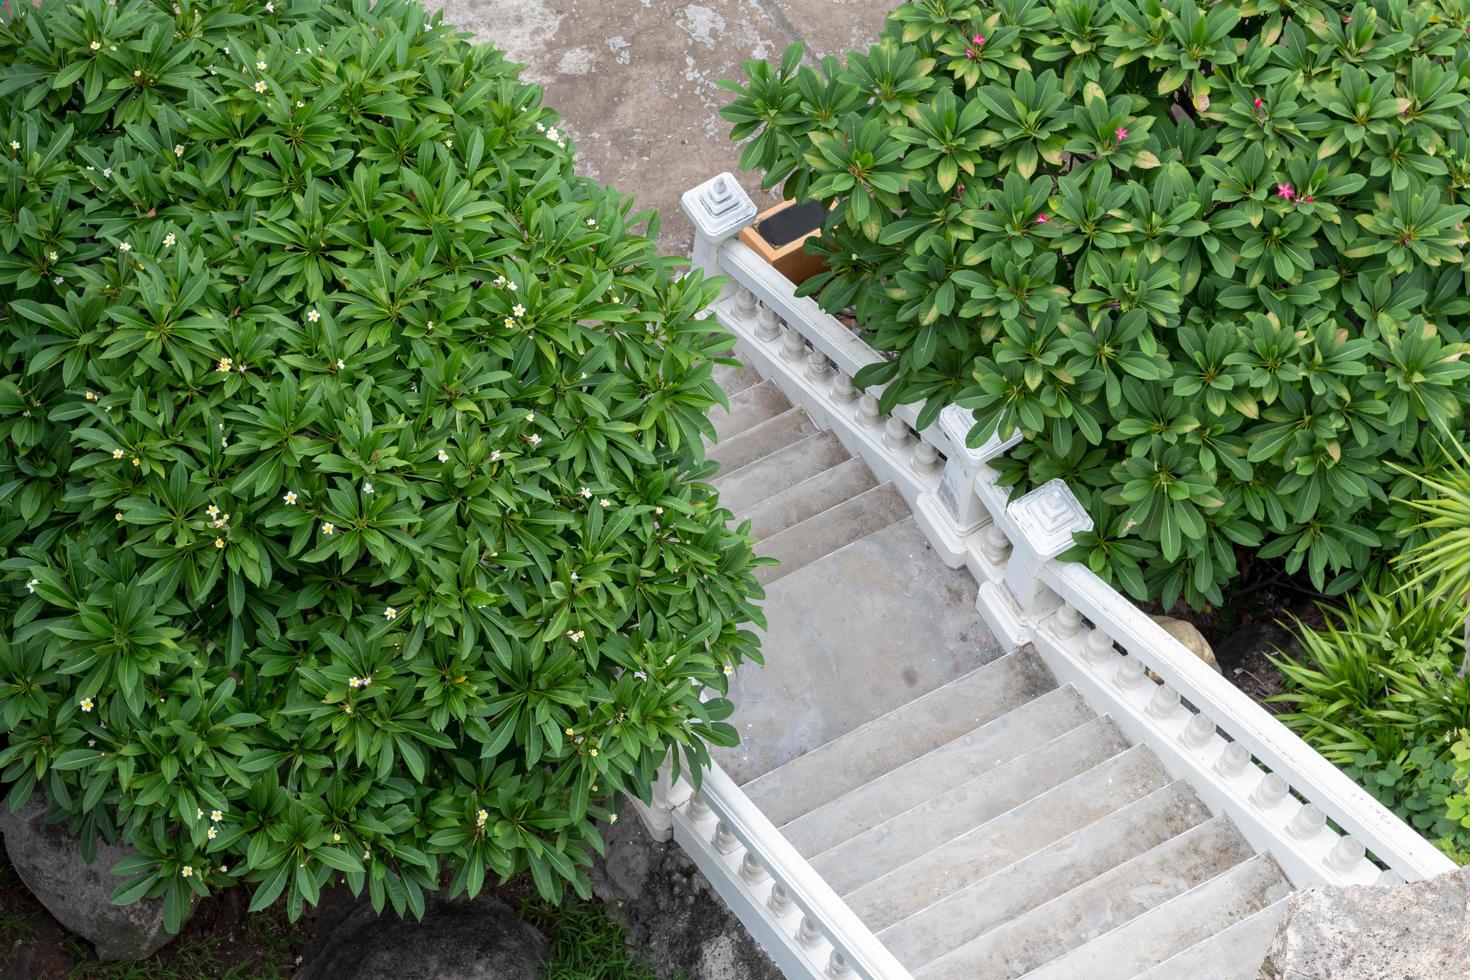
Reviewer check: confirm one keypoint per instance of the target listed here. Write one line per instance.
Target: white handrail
(809, 891)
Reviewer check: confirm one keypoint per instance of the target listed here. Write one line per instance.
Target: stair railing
(1318, 824)
(783, 902)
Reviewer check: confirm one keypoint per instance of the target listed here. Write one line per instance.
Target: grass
(588, 944)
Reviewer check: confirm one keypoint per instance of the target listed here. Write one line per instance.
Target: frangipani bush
(353, 514)
(1209, 259)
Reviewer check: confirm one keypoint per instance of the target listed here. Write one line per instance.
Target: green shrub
(353, 510)
(1207, 258)
(1376, 690)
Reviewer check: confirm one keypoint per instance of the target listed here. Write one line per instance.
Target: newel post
(957, 483)
(1045, 520)
(719, 208)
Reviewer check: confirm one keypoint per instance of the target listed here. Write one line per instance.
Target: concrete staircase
(995, 826)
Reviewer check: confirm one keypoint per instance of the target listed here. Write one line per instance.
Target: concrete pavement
(636, 79)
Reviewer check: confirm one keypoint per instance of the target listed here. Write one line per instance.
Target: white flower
(481, 817)
(86, 704)
(270, 8)
(212, 833)
(95, 45)
(729, 670)
(216, 816)
(612, 818)
(224, 365)
(354, 682)
(290, 498)
(137, 73)
(198, 814)
(300, 104)
(586, 493)
(107, 172)
(534, 440)
(14, 145)
(605, 503)
(341, 364)
(336, 838)
(509, 323)
(518, 310)
(591, 222)
(530, 416)
(31, 585)
(187, 871)
(260, 86)
(212, 511)
(443, 456)
(58, 280)
(552, 134)
(540, 128)
(125, 247)
(449, 144)
(178, 149)
(169, 240)
(390, 614)
(367, 487)
(329, 528)
(511, 286)
(494, 455)
(117, 454)
(312, 316)
(498, 282)
(260, 66)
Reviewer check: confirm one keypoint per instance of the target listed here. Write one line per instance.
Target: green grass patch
(589, 944)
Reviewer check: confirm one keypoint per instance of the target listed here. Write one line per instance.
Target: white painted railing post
(719, 208)
(1045, 519)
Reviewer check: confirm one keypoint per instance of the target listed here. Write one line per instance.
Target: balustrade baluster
(837, 967)
(1270, 791)
(1164, 702)
(842, 388)
(1098, 649)
(994, 544)
(698, 808)
(723, 840)
(767, 324)
(793, 345)
(895, 433)
(752, 872)
(745, 303)
(1130, 674)
(808, 936)
(867, 412)
(1308, 822)
(1068, 622)
(818, 368)
(1233, 760)
(779, 902)
(1346, 853)
(926, 458)
(1199, 731)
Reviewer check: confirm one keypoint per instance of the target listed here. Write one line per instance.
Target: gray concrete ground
(851, 637)
(636, 79)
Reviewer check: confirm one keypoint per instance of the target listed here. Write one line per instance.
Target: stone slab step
(1079, 916)
(762, 439)
(1016, 889)
(899, 736)
(740, 490)
(1032, 724)
(735, 379)
(753, 405)
(1167, 930)
(831, 530)
(1234, 953)
(810, 497)
(1043, 820)
(932, 825)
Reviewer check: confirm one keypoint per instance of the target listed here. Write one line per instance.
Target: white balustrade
(1287, 800)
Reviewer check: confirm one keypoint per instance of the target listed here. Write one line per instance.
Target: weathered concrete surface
(1419, 931)
(673, 917)
(851, 637)
(636, 79)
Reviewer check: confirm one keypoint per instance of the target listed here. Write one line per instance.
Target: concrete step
(1079, 916)
(1233, 953)
(901, 735)
(761, 440)
(935, 823)
(1162, 932)
(740, 490)
(1062, 809)
(755, 404)
(810, 497)
(831, 530)
(735, 379)
(1019, 730)
(1016, 889)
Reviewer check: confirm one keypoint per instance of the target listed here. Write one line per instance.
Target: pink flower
(1308, 199)
(1258, 103)
(1042, 219)
(971, 53)
(1122, 133)
(979, 39)
(1285, 191)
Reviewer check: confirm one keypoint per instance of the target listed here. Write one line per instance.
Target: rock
(1194, 641)
(673, 917)
(1419, 931)
(479, 939)
(49, 861)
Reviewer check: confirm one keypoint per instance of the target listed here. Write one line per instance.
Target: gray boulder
(1419, 931)
(457, 940)
(1188, 634)
(49, 861)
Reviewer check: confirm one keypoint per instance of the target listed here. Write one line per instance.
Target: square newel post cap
(719, 207)
(1048, 516)
(956, 423)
